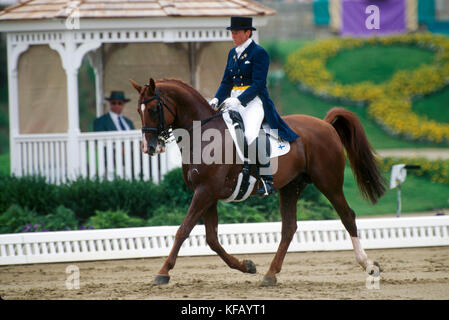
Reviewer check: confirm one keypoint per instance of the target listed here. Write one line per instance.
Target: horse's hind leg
(347, 217)
(289, 195)
(210, 219)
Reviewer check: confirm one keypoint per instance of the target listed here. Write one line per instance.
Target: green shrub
(230, 213)
(16, 218)
(173, 190)
(114, 219)
(31, 192)
(307, 210)
(84, 197)
(60, 219)
(165, 216)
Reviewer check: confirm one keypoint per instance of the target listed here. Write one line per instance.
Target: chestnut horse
(317, 157)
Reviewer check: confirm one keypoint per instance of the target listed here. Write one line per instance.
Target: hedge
(29, 204)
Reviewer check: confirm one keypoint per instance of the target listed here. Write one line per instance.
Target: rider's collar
(243, 47)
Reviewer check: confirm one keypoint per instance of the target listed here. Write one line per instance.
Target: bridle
(162, 132)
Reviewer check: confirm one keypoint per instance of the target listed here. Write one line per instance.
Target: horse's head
(156, 116)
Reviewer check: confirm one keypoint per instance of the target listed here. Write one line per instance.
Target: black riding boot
(263, 161)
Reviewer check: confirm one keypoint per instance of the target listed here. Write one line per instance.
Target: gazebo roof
(57, 9)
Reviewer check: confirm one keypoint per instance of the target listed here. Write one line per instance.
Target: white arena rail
(108, 244)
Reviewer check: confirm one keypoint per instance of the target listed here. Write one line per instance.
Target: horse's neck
(192, 110)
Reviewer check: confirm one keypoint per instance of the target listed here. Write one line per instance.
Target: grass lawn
(435, 106)
(418, 194)
(376, 63)
(291, 100)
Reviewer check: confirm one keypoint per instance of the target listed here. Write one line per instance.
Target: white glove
(232, 103)
(214, 103)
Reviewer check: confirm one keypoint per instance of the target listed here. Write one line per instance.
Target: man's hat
(117, 95)
(241, 23)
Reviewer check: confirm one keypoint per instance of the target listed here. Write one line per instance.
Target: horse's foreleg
(288, 199)
(210, 219)
(200, 202)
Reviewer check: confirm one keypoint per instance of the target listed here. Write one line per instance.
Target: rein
(163, 132)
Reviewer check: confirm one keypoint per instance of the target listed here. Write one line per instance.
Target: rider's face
(240, 36)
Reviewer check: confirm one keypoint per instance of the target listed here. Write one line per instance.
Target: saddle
(245, 181)
(278, 146)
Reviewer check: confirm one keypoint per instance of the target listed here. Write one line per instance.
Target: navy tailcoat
(251, 70)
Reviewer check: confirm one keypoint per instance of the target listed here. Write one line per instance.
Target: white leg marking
(144, 142)
(360, 255)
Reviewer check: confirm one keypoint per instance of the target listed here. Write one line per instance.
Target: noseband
(162, 132)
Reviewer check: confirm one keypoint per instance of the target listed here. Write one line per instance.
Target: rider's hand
(214, 103)
(232, 103)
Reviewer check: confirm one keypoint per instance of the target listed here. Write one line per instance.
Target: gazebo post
(72, 56)
(73, 129)
(96, 61)
(13, 54)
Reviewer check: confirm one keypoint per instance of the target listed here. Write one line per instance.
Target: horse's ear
(152, 85)
(136, 85)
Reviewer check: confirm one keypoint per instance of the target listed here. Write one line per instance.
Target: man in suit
(113, 120)
(243, 88)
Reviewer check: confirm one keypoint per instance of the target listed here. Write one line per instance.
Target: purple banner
(365, 18)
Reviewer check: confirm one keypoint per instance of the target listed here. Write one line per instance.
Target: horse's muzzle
(152, 149)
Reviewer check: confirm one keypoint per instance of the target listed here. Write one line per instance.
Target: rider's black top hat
(241, 23)
(117, 95)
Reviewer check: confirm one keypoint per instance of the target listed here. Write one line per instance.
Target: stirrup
(267, 187)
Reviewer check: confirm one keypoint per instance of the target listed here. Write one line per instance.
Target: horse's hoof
(250, 266)
(161, 280)
(374, 269)
(268, 281)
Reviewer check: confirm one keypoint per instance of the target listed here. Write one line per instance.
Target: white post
(13, 53)
(71, 56)
(71, 68)
(96, 61)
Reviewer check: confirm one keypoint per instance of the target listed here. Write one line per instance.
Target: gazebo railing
(103, 155)
(41, 154)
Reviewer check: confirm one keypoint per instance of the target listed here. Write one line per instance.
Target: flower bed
(388, 103)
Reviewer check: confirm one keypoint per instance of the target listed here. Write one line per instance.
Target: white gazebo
(46, 43)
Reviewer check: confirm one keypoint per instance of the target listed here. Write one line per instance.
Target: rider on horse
(243, 89)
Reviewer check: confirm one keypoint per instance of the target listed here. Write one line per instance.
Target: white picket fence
(108, 244)
(105, 155)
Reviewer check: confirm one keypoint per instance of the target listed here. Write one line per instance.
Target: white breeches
(252, 116)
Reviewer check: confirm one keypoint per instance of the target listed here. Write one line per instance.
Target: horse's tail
(361, 155)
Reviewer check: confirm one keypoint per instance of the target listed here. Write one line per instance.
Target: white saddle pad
(279, 146)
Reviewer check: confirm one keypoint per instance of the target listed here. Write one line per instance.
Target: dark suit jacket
(251, 69)
(105, 123)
